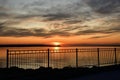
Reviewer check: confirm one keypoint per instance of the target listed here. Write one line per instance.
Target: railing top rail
(64, 50)
(28, 50)
(58, 49)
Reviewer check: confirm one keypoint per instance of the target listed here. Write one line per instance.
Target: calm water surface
(57, 60)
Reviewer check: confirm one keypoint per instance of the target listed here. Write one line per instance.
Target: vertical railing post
(76, 58)
(48, 57)
(98, 52)
(7, 59)
(115, 56)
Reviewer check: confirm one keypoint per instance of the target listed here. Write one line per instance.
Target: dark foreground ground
(110, 75)
(67, 73)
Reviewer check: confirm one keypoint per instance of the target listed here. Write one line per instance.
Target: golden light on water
(56, 48)
(56, 44)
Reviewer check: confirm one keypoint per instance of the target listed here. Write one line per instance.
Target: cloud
(75, 17)
(72, 21)
(6, 14)
(59, 10)
(1, 24)
(104, 6)
(8, 31)
(59, 33)
(3, 14)
(115, 29)
(3, 2)
(74, 29)
(57, 16)
(97, 37)
(96, 31)
(18, 32)
(26, 16)
(64, 32)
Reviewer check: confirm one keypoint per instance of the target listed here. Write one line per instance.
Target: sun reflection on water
(56, 49)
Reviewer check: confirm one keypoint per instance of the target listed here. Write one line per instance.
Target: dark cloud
(8, 31)
(3, 2)
(1, 27)
(72, 28)
(3, 14)
(72, 21)
(13, 32)
(104, 6)
(73, 16)
(34, 4)
(18, 32)
(87, 32)
(94, 31)
(59, 11)
(26, 16)
(97, 37)
(57, 16)
(79, 10)
(2, 8)
(59, 33)
(115, 29)
(76, 10)
(1, 24)
(9, 23)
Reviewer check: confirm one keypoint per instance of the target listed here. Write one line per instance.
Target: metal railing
(63, 57)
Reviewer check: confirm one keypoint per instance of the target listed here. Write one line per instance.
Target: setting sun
(56, 43)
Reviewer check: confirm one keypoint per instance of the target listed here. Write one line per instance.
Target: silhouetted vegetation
(42, 73)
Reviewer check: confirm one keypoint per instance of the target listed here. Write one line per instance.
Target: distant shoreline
(43, 45)
(28, 45)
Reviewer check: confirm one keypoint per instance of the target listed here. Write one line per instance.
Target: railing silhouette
(63, 57)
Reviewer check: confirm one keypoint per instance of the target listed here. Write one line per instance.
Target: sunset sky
(64, 21)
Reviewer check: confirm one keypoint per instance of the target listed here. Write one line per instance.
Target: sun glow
(56, 43)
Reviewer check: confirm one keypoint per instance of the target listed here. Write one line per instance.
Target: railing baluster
(115, 56)
(7, 59)
(98, 56)
(76, 58)
(48, 58)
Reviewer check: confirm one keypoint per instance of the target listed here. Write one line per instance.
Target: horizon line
(50, 45)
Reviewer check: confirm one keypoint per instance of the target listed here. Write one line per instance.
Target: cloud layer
(59, 18)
